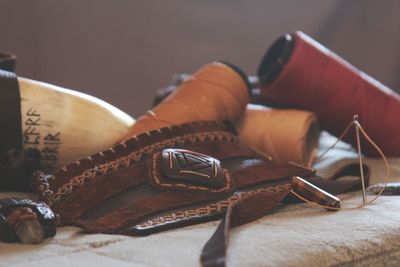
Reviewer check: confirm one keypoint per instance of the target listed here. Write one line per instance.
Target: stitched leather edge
(125, 161)
(207, 210)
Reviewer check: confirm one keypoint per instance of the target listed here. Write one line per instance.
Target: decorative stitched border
(125, 161)
(208, 210)
(157, 180)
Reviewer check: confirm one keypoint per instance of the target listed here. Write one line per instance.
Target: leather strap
(7, 61)
(10, 112)
(255, 206)
(244, 211)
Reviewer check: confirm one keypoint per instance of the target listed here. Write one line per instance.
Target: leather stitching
(123, 162)
(210, 209)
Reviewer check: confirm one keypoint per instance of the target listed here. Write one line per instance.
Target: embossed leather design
(114, 190)
(188, 170)
(192, 168)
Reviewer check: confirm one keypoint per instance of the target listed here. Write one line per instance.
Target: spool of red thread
(299, 72)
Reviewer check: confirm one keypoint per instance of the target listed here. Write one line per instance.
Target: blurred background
(123, 51)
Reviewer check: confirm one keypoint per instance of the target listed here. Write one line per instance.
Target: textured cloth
(292, 235)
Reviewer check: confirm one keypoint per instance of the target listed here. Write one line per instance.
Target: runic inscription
(35, 136)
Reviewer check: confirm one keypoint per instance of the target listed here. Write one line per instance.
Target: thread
(284, 134)
(299, 72)
(216, 92)
(356, 124)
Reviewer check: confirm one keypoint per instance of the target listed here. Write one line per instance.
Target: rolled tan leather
(216, 92)
(284, 134)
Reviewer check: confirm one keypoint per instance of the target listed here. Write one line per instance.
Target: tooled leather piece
(209, 211)
(125, 165)
(145, 201)
(182, 169)
(10, 112)
(127, 193)
(184, 165)
(200, 213)
(177, 135)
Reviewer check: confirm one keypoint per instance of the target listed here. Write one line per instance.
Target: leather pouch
(166, 178)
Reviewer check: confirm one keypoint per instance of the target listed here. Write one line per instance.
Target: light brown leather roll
(216, 92)
(284, 134)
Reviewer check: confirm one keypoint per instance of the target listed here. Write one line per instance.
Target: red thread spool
(299, 72)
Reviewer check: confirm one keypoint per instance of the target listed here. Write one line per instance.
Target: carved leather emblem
(189, 166)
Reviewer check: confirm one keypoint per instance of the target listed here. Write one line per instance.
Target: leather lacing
(42, 184)
(136, 141)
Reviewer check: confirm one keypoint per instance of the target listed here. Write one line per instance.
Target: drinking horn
(63, 125)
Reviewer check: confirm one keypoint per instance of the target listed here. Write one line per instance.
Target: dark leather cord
(246, 210)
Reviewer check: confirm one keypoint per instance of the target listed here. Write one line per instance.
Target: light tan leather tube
(216, 92)
(283, 134)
